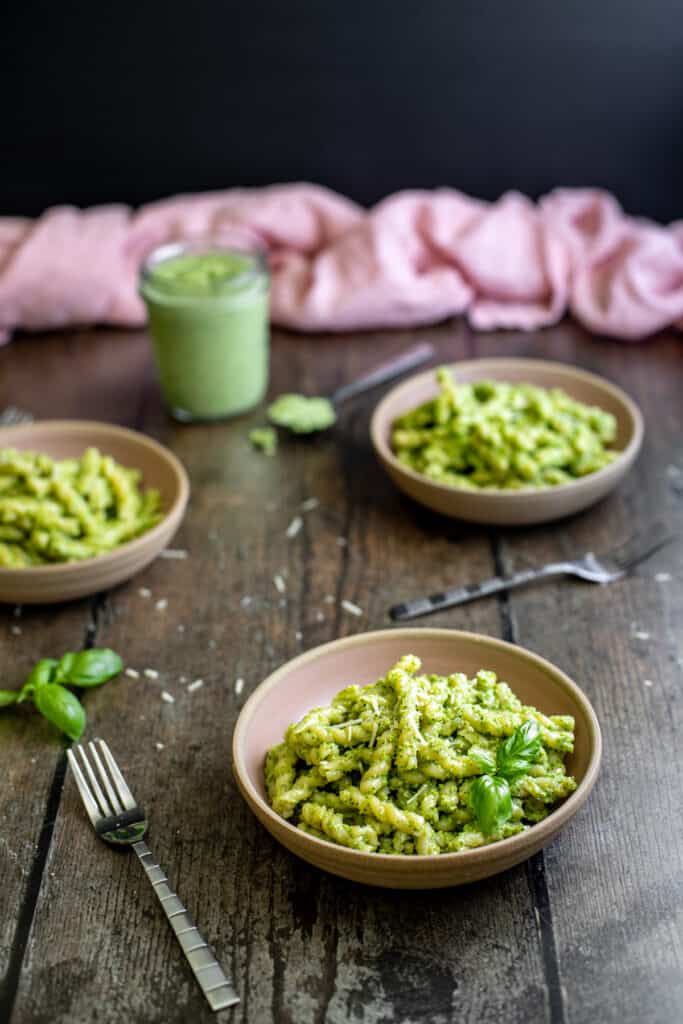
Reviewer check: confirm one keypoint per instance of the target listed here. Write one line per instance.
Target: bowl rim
(130, 546)
(624, 456)
(540, 830)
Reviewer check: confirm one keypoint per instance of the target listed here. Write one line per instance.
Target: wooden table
(584, 932)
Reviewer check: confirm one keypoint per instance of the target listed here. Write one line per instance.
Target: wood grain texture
(586, 931)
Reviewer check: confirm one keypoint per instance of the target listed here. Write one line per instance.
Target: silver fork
(118, 819)
(595, 568)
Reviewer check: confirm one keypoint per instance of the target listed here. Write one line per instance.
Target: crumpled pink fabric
(415, 258)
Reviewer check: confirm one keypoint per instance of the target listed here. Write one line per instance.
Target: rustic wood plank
(614, 877)
(45, 376)
(302, 946)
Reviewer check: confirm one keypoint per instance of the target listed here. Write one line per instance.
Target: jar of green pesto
(208, 317)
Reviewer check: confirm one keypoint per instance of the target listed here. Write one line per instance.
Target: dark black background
(111, 101)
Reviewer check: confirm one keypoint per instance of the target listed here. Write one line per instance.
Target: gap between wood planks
(535, 866)
(28, 907)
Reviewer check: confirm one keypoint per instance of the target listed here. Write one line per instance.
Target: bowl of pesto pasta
(416, 758)
(83, 507)
(508, 442)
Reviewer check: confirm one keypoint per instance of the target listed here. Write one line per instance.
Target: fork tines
(103, 790)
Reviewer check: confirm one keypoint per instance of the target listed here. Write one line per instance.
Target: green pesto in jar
(208, 317)
(495, 435)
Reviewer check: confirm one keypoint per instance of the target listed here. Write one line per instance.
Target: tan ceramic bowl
(511, 508)
(46, 584)
(315, 677)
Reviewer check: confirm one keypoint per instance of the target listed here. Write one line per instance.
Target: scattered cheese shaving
(173, 553)
(647, 682)
(329, 599)
(181, 629)
(246, 601)
(294, 527)
(16, 630)
(132, 673)
(280, 584)
(641, 635)
(309, 504)
(151, 673)
(239, 686)
(351, 608)
(168, 697)
(159, 746)
(161, 605)
(662, 577)
(145, 592)
(196, 685)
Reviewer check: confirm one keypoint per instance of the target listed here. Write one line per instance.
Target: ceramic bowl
(313, 678)
(500, 507)
(63, 581)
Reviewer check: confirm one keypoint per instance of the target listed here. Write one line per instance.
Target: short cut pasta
(68, 510)
(387, 768)
(495, 435)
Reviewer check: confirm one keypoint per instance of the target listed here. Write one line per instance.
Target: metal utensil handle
(211, 977)
(470, 592)
(387, 371)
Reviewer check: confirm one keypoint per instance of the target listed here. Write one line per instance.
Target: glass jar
(207, 304)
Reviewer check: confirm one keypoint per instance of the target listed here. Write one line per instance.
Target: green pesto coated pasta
(69, 510)
(494, 435)
(390, 767)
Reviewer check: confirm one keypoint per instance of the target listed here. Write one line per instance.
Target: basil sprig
(47, 681)
(490, 796)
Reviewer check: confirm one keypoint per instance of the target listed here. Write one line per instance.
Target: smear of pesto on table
(492, 434)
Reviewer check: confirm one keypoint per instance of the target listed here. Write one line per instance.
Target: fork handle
(471, 591)
(210, 976)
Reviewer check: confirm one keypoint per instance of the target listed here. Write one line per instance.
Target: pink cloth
(415, 258)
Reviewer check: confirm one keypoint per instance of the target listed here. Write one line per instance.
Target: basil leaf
(43, 672)
(486, 759)
(90, 668)
(8, 697)
(64, 666)
(491, 802)
(62, 708)
(519, 751)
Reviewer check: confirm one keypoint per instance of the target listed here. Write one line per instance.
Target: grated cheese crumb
(351, 608)
(662, 577)
(246, 601)
(641, 635)
(298, 634)
(145, 592)
(132, 673)
(173, 553)
(280, 584)
(239, 686)
(168, 697)
(161, 605)
(16, 630)
(196, 685)
(309, 504)
(181, 629)
(319, 616)
(159, 746)
(647, 682)
(151, 673)
(294, 527)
